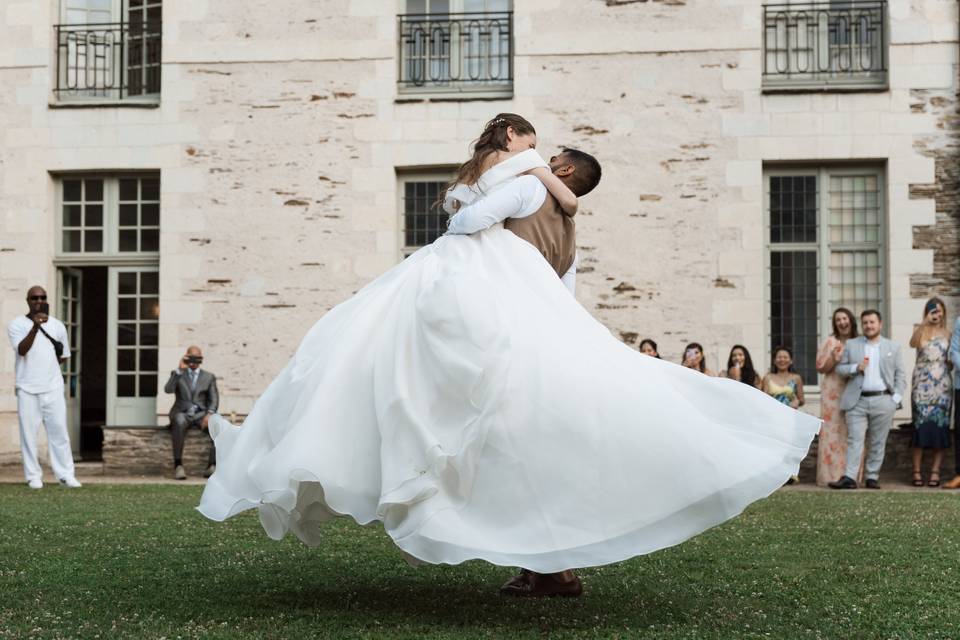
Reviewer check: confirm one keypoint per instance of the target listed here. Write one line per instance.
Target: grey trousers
(868, 422)
(179, 423)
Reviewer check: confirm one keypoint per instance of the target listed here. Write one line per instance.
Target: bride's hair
(493, 139)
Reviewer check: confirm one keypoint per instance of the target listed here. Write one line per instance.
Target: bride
(467, 401)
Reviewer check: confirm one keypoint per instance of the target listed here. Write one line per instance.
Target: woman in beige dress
(832, 445)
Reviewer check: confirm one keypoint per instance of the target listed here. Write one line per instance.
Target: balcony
(825, 46)
(456, 55)
(108, 63)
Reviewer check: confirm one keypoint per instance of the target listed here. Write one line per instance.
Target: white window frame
(823, 246)
(502, 89)
(404, 177)
(111, 218)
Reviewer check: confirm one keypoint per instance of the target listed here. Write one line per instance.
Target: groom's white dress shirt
(518, 199)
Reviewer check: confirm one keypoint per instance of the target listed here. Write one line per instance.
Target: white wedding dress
(469, 403)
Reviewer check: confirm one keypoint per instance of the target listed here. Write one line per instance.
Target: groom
(527, 209)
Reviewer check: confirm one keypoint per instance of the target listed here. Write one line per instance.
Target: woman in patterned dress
(932, 390)
(832, 443)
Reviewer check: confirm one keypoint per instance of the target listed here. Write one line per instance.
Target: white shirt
(518, 199)
(39, 370)
(872, 380)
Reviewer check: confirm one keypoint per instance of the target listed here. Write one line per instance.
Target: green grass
(138, 561)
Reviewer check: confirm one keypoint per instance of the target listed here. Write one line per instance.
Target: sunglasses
(37, 298)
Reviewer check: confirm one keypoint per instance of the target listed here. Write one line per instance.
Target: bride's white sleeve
(492, 177)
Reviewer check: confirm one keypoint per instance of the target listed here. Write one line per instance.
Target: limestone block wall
(279, 135)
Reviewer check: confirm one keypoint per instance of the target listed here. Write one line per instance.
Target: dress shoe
(845, 482)
(543, 585)
(873, 483)
(953, 484)
(70, 483)
(180, 473)
(210, 470)
(35, 483)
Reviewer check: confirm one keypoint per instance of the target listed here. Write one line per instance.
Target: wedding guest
(954, 361)
(740, 367)
(197, 398)
(649, 347)
(832, 442)
(876, 380)
(931, 390)
(783, 382)
(693, 359)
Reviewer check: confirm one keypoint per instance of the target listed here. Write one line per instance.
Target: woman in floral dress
(832, 443)
(932, 390)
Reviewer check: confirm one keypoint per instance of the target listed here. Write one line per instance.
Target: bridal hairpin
(493, 122)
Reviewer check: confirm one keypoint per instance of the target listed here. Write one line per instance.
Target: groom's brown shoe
(953, 484)
(542, 585)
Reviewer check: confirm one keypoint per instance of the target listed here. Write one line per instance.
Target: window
(825, 241)
(108, 50)
(422, 220)
(456, 47)
(138, 317)
(110, 215)
(822, 45)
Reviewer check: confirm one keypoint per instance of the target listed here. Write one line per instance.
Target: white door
(70, 282)
(133, 312)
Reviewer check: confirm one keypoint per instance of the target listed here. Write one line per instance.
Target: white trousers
(50, 408)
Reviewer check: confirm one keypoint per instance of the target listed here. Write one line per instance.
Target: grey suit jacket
(196, 402)
(891, 370)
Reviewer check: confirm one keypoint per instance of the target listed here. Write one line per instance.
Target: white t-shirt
(872, 380)
(39, 370)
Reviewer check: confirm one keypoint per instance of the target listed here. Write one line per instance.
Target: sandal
(934, 480)
(917, 479)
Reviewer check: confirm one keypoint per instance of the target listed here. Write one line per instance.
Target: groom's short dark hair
(587, 174)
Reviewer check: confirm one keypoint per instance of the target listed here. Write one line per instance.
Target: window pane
(150, 282)
(150, 240)
(148, 334)
(93, 241)
(148, 360)
(794, 316)
(128, 188)
(126, 334)
(71, 191)
(423, 222)
(126, 386)
(128, 215)
(150, 214)
(94, 192)
(149, 308)
(793, 209)
(127, 308)
(71, 215)
(126, 360)
(150, 189)
(128, 240)
(94, 215)
(148, 386)
(71, 241)
(127, 282)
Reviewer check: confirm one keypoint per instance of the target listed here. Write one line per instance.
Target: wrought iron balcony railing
(456, 53)
(109, 61)
(825, 45)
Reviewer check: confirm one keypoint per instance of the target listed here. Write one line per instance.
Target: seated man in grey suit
(876, 381)
(197, 399)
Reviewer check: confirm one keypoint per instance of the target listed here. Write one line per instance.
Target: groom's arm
(569, 279)
(514, 200)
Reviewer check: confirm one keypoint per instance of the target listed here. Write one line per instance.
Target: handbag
(57, 345)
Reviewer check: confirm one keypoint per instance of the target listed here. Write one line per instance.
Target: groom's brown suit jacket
(551, 231)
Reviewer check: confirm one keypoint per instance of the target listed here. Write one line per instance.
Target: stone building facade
(224, 172)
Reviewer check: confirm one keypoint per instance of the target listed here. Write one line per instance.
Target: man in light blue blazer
(955, 359)
(876, 381)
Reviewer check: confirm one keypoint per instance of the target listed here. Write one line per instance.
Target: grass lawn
(138, 561)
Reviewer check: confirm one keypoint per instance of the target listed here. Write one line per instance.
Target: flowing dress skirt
(469, 403)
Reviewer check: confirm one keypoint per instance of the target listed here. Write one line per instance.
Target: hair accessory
(494, 122)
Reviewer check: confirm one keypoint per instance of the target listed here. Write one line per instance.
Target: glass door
(132, 342)
(70, 283)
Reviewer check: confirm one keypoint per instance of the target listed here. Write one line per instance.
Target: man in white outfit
(40, 343)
